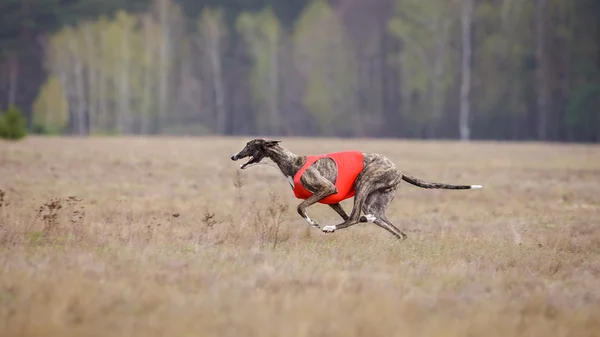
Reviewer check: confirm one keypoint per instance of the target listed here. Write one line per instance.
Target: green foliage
(582, 112)
(211, 20)
(328, 63)
(262, 34)
(12, 124)
(119, 60)
(49, 16)
(272, 66)
(51, 108)
(504, 41)
(429, 63)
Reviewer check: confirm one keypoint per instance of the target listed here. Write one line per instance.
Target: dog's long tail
(424, 184)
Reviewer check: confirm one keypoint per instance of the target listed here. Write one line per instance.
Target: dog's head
(257, 150)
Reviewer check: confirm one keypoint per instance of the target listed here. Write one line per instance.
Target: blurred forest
(454, 69)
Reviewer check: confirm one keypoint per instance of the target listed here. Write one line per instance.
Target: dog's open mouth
(251, 161)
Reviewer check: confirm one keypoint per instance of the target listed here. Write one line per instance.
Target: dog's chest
(290, 180)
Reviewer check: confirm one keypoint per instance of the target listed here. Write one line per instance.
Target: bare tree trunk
(80, 101)
(565, 80)
(103, 83)
(102, 103)
(437, 87)
(13, 78)
(392, 102)
(507, 66)
(407, 105)
(3, 79)
(540, 71)
(376, 82)
(214, 53)
(63, 77)
(79, 124)
(273, 96)
(163, 80)
(124, 100)
(465, 88)
(148, 78)
(92, 78)
(80, 105)
(65, 70)
(61, 67)
(291, 88)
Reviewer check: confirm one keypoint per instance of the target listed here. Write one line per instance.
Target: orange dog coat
(349, 165)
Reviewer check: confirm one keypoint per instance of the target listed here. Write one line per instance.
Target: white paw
(370, 217)
(329, 229)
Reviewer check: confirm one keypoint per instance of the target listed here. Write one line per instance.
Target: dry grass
(164, 237)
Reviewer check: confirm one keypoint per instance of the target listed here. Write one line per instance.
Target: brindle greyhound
(373, 186)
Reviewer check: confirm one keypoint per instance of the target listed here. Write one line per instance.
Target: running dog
(371, 178)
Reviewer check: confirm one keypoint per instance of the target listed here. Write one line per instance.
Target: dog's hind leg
(375, 207)
(379, 173)
(354, 217)
(340, 210)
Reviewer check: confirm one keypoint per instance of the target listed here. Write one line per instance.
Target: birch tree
(80, 124)
(366, 23)
(262, 34)
(465, 88)
(125, 25)
(89, 34)
(501, 43)
(51, 108)
(425, 28)
(13, 66)
(149, 60)
(211, 43)
(323, 55)
(64, 63)
(540, 69)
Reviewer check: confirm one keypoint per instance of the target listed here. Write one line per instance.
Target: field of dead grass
(166, 237)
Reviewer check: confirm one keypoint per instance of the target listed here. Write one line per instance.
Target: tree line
(459, 69)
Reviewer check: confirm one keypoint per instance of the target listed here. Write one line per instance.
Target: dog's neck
(287, 162)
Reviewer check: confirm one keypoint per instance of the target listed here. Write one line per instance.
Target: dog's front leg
(322, 187)
(310, 201)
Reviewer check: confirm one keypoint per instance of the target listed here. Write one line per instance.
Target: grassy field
(166, 237)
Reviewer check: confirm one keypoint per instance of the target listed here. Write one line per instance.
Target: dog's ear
(272, 143)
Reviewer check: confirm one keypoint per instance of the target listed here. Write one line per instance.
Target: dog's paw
(329, 229)
(370, 217)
